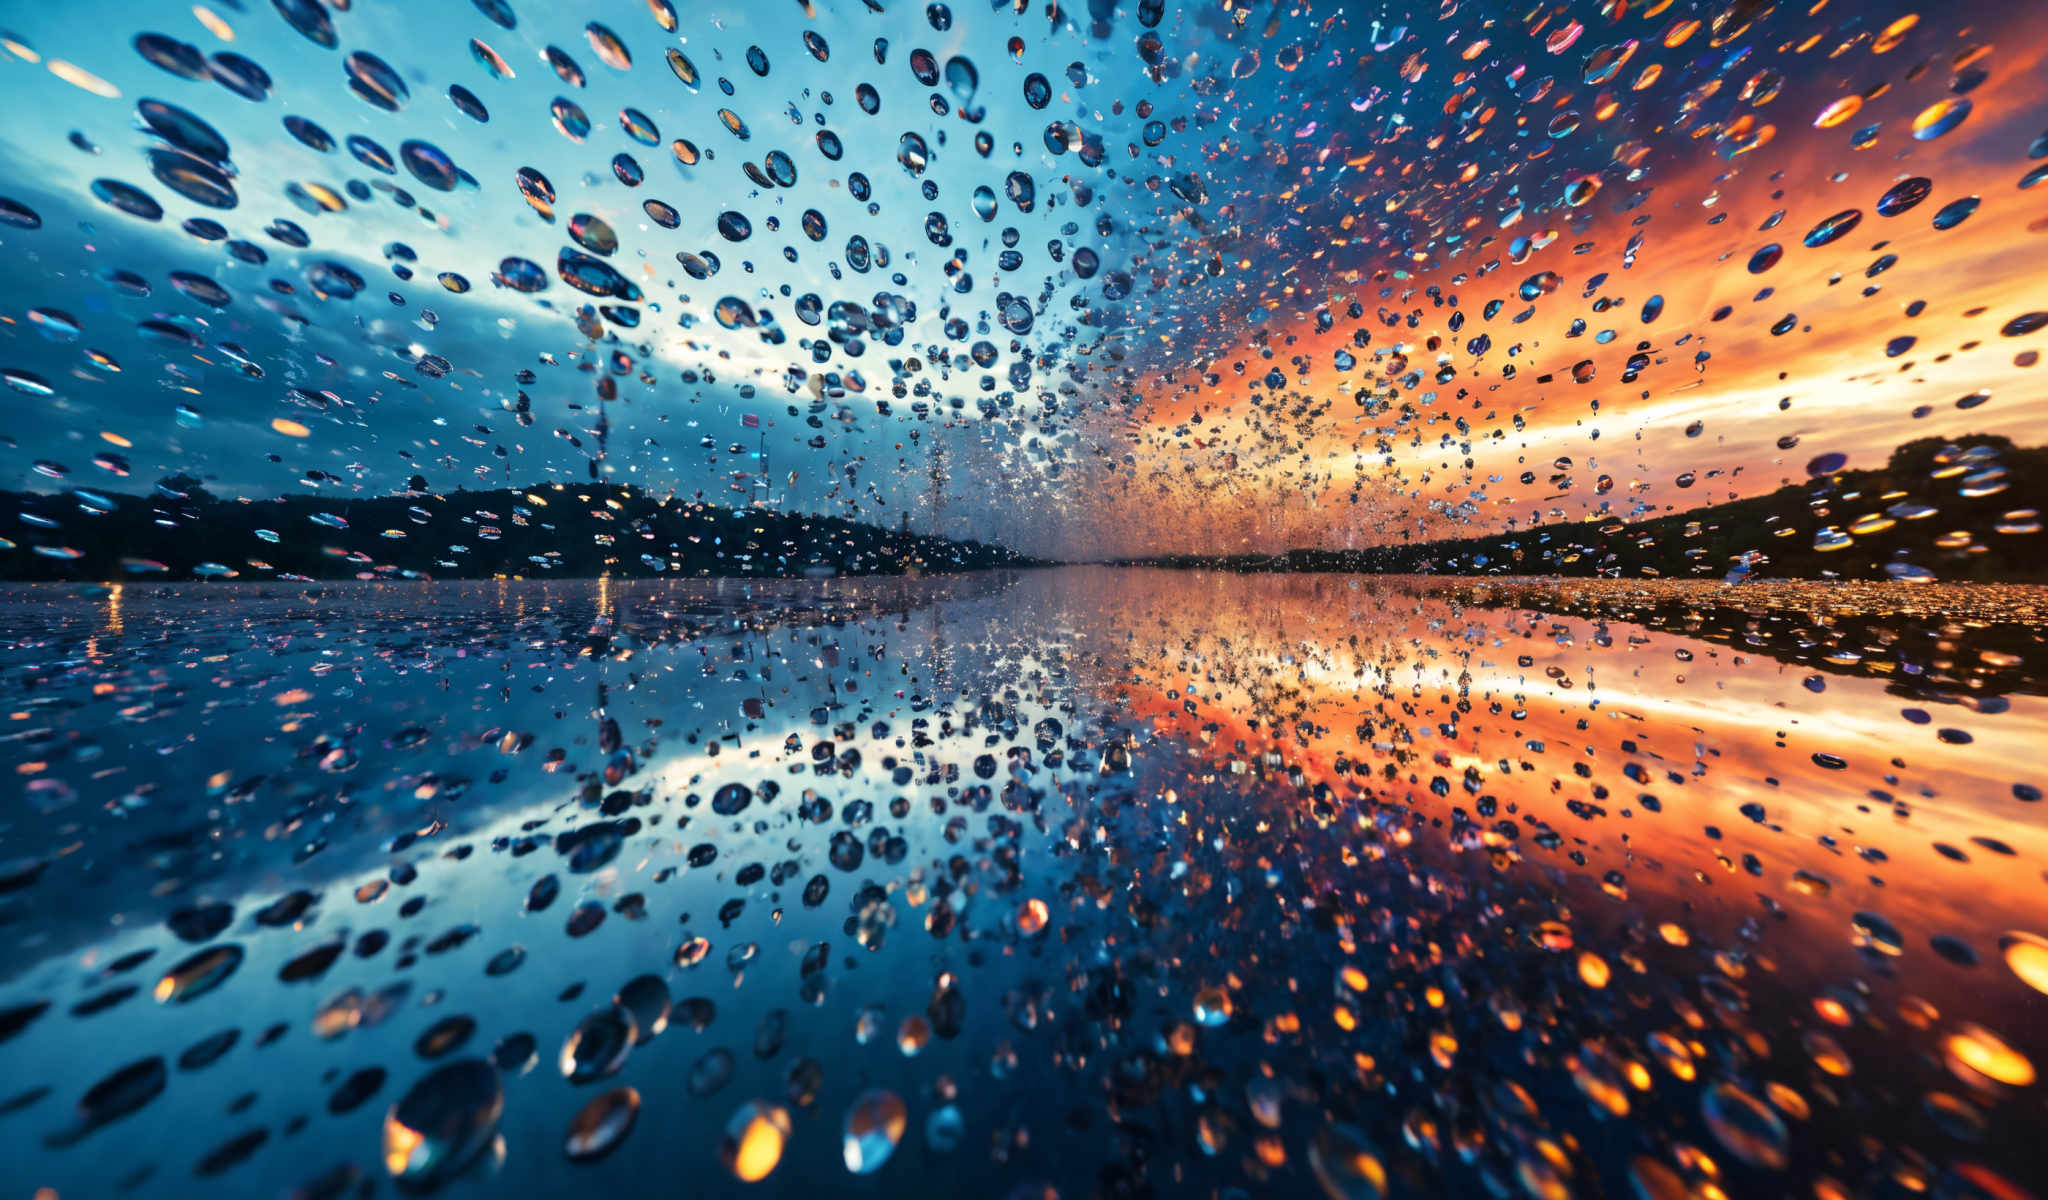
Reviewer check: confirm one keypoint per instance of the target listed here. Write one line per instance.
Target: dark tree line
(180, 530)
(1779, 535)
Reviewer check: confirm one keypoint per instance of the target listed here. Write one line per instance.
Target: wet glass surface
(1377, 883)
(1043, 600)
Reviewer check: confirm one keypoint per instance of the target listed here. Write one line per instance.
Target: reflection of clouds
(1737, 726)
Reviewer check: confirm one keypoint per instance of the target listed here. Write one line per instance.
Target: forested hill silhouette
(1963, 508)
(180, 530)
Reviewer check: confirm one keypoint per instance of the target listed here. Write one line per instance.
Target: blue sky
(1245, 223)
(362, 351)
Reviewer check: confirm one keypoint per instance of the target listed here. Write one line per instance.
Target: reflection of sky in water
(1296, 767)
(281, 712)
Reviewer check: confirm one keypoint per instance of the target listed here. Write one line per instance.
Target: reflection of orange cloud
(1408, 689)
(1263, 476)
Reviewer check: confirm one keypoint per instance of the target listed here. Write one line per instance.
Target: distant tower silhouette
(761, 493)
(935, 500)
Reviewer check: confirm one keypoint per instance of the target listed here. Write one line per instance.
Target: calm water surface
(1081, 882)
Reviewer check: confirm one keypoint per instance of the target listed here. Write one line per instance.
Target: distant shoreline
(181, 532)
(1964, 509)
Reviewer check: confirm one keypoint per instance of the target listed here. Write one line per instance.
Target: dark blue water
(1314, 895)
